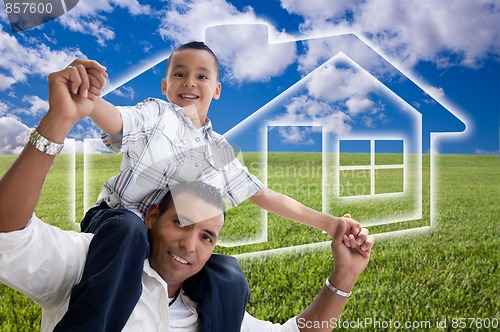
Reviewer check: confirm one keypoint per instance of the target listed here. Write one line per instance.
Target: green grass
(448, 272)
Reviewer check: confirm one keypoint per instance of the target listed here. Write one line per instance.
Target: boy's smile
(192, 82)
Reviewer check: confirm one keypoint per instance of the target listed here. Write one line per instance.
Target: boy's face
(183, 237)
(192, 82)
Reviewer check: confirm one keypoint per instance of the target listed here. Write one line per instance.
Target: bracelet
(44, 145)
(336, 290)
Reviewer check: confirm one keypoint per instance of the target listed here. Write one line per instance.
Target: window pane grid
(352, 184)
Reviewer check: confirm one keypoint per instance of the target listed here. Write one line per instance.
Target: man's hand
(351, 253)
(73, 90)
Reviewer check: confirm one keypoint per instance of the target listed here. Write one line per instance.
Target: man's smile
(179, 259)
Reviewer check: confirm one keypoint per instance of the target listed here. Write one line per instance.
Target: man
(44, 262)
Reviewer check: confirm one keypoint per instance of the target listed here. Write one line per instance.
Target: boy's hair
(197, 45)
(203, 191)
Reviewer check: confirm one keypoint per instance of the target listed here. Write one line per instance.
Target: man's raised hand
(73, 90)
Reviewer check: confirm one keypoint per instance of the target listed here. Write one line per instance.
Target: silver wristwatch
(336, 290)
(43, 144)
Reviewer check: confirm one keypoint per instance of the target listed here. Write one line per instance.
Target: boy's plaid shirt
(161, 147)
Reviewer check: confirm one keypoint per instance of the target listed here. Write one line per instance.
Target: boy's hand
(354, 233)
(96, 74)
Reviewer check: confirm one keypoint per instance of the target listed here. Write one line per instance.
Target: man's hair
(201, 190)
(197, 45)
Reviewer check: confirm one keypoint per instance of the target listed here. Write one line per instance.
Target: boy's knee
(124, 223)
(228, 269)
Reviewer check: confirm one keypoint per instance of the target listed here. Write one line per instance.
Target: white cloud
(3, 17)
(6, 81)
(246, 64)
(87, 17)
(320, 50)
(319, 9)
(357, 105)
(443, 32)
(127, 92)
(93, 27)
(242, 50)
(19, 61)
(295, 135)
(423, 30)
(4, 108)
(336, 97)
(338, 123)
(146, 46)
(81, 147)
(334, 84)
(13, 135)
(133, 6)
(38, 106)
(185, 21)
(308, 109)
(50, 40)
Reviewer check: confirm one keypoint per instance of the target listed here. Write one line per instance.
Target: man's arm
(350, 259)
(71, 97)
(291, 209)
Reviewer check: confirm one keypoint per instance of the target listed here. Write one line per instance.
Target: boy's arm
(291, 209)
(107, 117)
(71, 98)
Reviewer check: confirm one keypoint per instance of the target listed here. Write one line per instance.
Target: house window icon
(376, 171)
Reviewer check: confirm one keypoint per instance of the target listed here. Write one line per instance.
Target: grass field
(447, 277)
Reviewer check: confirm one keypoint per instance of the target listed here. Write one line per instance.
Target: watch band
(336, 290)
(43, 144)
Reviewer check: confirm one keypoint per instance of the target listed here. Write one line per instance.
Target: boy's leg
(222, 292)
(112, 278)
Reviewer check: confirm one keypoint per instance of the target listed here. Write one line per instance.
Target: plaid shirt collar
(207, 127)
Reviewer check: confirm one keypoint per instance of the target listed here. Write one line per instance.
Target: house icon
(390, 118)
(392, 188)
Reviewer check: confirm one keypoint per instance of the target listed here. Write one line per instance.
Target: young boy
(163, 143)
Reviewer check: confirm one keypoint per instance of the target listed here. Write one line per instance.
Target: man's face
(191, 82)
(183, 238)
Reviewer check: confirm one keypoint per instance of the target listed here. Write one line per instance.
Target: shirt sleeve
(252, 324)
(42, 261)
(138, 121)
(241, 184)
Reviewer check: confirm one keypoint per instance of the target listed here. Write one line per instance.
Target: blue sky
(436, 58)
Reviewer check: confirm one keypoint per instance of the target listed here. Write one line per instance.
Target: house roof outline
(434, 107)
(443, 106)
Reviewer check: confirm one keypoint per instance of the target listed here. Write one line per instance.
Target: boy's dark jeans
(111, 284)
